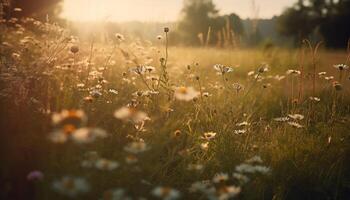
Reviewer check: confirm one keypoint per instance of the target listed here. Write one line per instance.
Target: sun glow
(159, 10)
(119, 10)
(87, 10)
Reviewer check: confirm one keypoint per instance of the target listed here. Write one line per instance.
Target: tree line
(200, 22)
(327, 19)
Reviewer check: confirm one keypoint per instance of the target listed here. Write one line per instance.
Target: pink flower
(35, 176)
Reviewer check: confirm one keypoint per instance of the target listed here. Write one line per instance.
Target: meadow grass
(169, 123)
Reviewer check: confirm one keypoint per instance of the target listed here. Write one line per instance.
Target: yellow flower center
(182, 90)
(69, 129)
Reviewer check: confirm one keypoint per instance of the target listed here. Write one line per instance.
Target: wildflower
(296, 116)
(88, 135)
(220, 177)
(177, 133)
(239, 132)
(166, 193)
(90, 161)
(200, 186)
(74, 49)
(315, 99)
(184, 152)
(138, 69)
(71, 186)
(166, 29)
(185, 93)
(136, 147)
(337, 86)
(279, 78)
(209, 135)
(98, 86)
(251, 73)
(262, 169)
(240, 177)
(222, 69)
(196, 167)
(281, 119)
(162, 60)
(17, 9)
(206, 94)
(295, 125)
(255, 159)
(329, 78)
(205, 146)
(127, 113)
(80, 85)
(88, 99)
(149, 93)
(245, 123)
(150, 68)
(227, 192)
(35, 175)
(113, 91)
(266, 85)
(263, 68)
(341, 67)
(107, 165)
(16, 56)
(60, 136)
(248, 168)
(293, 72)
(95, 93)
(81, 135)
(238, 87)
(115, 194)
(70, 117)
(137, 94)
(322, 73)
(119, 37)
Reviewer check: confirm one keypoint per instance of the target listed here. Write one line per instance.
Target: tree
(197, 17)
(33, 8)
(200, 18)
(329, 18)
(335, 27)
(297, 22)
(226, 30)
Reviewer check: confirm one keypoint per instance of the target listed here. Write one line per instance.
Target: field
(128, 119)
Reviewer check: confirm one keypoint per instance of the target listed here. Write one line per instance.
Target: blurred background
(219, 23)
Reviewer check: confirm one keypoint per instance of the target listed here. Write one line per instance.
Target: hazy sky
(161, 10)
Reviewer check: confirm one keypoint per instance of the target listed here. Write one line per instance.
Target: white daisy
(222, 69)
(295, 125)
(166, 193)
(186, 93)
(296, 116)
(341, 67)
(71, 186)
(131, 114)
(136, 147)
(293, 72)
(107, 165)
(209, 135)
(220, 177)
